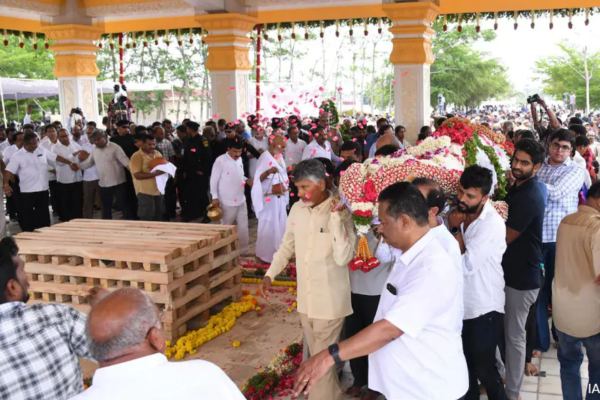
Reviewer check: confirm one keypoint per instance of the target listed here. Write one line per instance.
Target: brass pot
(214, 213)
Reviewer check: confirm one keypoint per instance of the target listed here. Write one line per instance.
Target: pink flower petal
(231, 88)
(268, 199)
(335, 139)
(216, 116)
(307, 196)
(320, 89)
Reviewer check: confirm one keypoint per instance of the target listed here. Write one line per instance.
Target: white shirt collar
(104, 376)
(408, 256)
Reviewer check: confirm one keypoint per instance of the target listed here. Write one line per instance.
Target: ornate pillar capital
(75, 52)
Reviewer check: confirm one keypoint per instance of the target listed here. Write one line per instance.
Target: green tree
(466, 77)
(27, 63)
(573, 70)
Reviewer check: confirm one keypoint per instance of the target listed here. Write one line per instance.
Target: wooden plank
(181, 261)
(100, 273)
(109, 238)
(93, 252)
(156, 225)
(215, 299)
(173, 249)
(82, 290)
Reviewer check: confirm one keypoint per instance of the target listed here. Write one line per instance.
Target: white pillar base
(412, 98)
(78, 92)
(230, 94)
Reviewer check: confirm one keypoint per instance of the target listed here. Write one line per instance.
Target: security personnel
(197, 163)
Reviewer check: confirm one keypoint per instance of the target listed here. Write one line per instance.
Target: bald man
(125, 336)
(387, 138)
(270, 199)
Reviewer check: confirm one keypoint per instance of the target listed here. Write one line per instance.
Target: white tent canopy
(19, 89)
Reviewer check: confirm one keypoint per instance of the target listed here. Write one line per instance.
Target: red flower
(370, 191)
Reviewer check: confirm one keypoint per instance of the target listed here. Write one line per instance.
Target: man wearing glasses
(564, 180)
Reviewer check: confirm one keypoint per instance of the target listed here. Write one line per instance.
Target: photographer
(544, 133)
(70, 124)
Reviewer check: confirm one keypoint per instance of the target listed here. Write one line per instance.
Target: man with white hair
(124, 334)
(320, 234)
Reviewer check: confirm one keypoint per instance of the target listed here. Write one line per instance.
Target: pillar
(75, 68)
(412, 57)
(229, 62)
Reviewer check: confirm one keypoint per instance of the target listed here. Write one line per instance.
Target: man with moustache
(320, 234)
(480, 232)
(521, 261)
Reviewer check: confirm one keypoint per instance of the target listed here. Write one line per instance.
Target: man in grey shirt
(109, 159)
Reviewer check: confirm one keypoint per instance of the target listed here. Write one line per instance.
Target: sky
(517, 50)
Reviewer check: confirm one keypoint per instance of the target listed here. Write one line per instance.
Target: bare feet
(531, 370)
(354, 391)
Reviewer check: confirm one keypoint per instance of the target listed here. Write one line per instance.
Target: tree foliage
(466, 77)
(558, 75)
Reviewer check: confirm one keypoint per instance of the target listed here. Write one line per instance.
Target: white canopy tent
(20, 89)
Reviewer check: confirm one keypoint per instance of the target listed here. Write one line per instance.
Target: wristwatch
(455, 230)
(334, 351)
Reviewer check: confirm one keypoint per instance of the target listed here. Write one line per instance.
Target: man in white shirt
(227, 184)
(4, 143)
(30, 164)
(110, 160)
(91, 189)
(481, 234)
(125, 335)
(70, 185)
(414, 345)
(49, 140)
(12, 202)
(319, 147)
(260, 143)
(78, 136)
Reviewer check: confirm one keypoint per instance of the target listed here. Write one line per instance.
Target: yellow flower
(294, 304)
(289, 310)
(236, 344)
(291, 290)
(258, 308)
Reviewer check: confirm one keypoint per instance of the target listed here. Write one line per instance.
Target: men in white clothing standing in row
(47, 142)
(270, 198)
(414, 345)
(481, 234)
(227, 183)
(30, 164)
(110, 160)
(70, 186)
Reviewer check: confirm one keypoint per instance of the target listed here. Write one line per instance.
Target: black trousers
(365, 308)
(196, 197)
(33, 211)
(480, 338)
(106, 198)
(12, 202)
(170, 200)
(71, 200)
(131, 196)
(55, 198)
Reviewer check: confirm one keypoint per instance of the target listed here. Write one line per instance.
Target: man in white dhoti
(270, 198)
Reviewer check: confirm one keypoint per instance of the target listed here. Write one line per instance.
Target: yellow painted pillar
(412, 58)
(229, 62)
(75, 68)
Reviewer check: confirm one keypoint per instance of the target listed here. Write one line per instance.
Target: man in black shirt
(127, 142)
(197, 163)
(521, 261)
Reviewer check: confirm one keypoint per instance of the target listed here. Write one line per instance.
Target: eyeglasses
(556, 146)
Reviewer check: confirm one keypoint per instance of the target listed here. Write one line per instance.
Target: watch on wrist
(334, 351)
(455, 230)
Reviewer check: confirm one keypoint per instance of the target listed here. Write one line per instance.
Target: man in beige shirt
(151, 204)
(321, 235)
(576, 296)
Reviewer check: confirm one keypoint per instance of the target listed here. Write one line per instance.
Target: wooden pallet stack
(187, 269)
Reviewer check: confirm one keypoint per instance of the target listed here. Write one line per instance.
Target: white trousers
(271, 227)
(238, 215)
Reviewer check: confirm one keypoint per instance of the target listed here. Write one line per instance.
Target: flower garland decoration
(330, 110)
(217, 325)
(278, 376)
(273, 283)
(441, 157)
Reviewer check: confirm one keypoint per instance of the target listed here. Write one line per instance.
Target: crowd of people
(459, 304)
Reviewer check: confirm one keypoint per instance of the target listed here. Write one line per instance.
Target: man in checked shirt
(564, 180)
(39, 344)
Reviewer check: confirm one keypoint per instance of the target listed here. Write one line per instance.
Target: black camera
(533, 99)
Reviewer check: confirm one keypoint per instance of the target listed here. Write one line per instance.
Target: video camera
(533, 99)
(76, 111)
